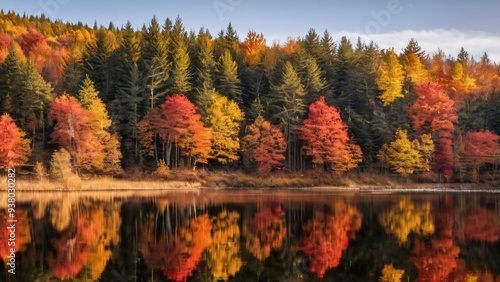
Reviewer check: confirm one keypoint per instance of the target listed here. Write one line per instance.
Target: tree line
(117, 98)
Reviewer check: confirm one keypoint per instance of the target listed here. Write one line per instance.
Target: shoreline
(151, 185)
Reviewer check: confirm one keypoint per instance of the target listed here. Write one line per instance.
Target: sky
(447, 25)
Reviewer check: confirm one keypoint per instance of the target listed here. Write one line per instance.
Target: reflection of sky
(279, 19)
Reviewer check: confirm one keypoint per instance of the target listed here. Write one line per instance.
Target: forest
(114, 100)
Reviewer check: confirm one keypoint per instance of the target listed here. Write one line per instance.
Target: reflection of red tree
(265, 231)
(72, 248)
(23, 234)
(437, 259)
(179, 256)
(327, 236)
(184, 253)
(483, 225)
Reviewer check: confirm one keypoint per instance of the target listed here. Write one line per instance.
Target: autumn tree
(390, 78)
(179, 126)
(434, 112)
(73, 131)
(224, 119)
(480, 148)
(14, 147)
(413, 66)
(264, 144)
(405, 156)
(326, 138)
(253, 47)
(108, 157)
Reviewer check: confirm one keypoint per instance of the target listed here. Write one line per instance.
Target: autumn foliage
(480, 148)
(73, 130)
(326, 138)
(265, 231)
(14, 147)
(482, 224)
(434, 112)
(435, 260)
(265, 144)
(327, 236)
(179, 126)
(72, 248)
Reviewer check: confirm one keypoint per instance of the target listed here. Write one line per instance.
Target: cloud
(449, 41)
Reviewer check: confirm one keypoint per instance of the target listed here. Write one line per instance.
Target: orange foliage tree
(4, 46)
(73, 130)
(480, 148)
(14, 148)
(265, 144)
(434, 112)
(253, 47)
(327, 236)
(178, 125)
(265, 231)
(326, 139)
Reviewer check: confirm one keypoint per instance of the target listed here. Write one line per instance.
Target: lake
(254, 235)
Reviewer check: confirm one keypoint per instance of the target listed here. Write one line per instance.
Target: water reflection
(255, 236)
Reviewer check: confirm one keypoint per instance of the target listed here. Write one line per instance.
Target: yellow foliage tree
(224, 118)
(390, 77)
(405, 217)
(223, 255)
(108, 160)
(426, 149)
(391, 274)
(402, 155)
(461, 82)
(414, 69)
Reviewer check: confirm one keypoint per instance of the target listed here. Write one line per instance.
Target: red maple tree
(14, 148)
(73, 130)
(326, 138)
(480, 148)
(434, 111)
(178, 125)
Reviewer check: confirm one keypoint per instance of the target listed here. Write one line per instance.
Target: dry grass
(189, 179)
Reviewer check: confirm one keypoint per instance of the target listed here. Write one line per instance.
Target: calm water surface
(255, 236)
